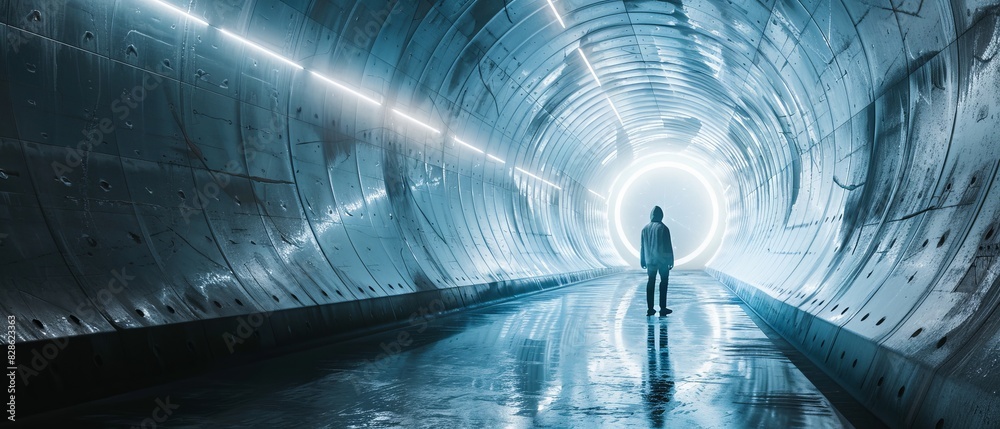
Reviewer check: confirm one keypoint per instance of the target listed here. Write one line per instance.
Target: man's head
(656, 215)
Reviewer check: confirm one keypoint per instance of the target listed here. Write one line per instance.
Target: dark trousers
(651, 285)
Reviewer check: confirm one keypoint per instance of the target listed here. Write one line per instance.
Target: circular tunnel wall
(214, 176)
(179, 161)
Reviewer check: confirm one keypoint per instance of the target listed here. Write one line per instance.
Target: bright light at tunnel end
(677, 162)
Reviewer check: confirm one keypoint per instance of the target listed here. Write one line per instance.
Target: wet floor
(580, 356)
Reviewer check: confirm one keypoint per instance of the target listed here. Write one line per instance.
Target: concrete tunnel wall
(858, 140)
(881, 264)
(229, 184)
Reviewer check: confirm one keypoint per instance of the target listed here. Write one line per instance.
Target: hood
(656, 215)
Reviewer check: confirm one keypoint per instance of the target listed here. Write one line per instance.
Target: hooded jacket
(656, 246)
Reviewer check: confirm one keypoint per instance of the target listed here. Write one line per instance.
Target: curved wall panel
(170, 168)
(881, 266)
(222, 173)
(164, 182)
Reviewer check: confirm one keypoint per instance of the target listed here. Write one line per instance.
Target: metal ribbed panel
(158, 172)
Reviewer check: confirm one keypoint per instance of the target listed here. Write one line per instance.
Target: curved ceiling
(281, 154)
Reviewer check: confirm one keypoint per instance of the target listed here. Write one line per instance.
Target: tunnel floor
(579, 356)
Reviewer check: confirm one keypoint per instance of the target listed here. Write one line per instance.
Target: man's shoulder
(654, 225)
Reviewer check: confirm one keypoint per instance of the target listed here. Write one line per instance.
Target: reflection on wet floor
(658, 386)
(580, 356)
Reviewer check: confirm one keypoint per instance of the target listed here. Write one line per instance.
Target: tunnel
(191, 186)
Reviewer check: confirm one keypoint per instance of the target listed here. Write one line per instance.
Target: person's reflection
(659, 383)
(531, 365)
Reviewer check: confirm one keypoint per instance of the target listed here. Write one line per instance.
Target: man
(656, 256)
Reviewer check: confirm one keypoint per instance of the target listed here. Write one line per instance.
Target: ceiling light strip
(589, 67)
(416, 121)
(346, 88)
(261, 48)
(608, 158)
(468, 145)
(266, 51)
(554, 11)
(176, 10)
(375, 102)
(616, 111)
(536, 177)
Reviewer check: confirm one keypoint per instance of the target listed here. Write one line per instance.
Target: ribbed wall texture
(157, 171)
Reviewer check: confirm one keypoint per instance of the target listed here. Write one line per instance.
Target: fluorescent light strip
(370, 100)
(468, 145)
(266, 51)
(416, 121)
(592, 73)
(598, 195)
(345, 88)
(616, 111)
(176, 10)
(539, 178)
(261, 48)
(607, 159)
(559, 18)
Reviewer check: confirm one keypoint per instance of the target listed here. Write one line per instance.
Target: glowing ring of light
(683, 167)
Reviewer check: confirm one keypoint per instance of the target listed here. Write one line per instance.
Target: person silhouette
(656, 256)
